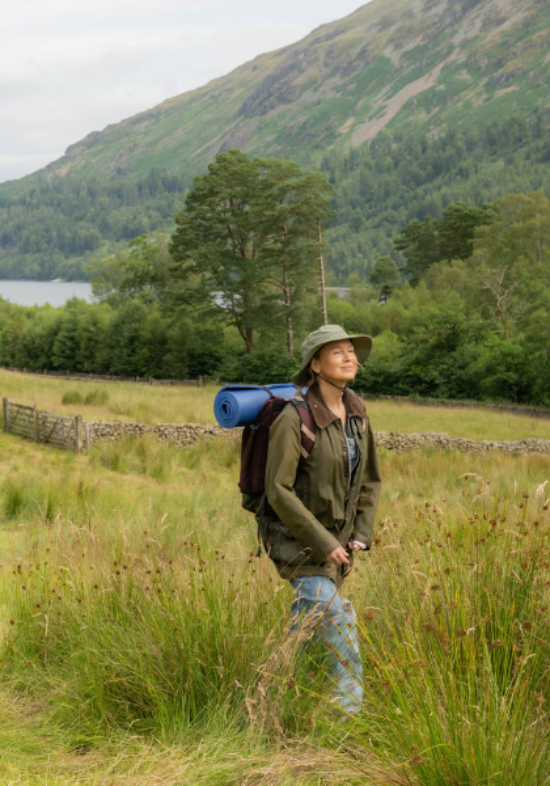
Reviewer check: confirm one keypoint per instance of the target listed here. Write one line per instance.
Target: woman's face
(336, 362)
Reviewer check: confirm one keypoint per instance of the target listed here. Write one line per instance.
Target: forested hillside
(381, 188)
(53, 228)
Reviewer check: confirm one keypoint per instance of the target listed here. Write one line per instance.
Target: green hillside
(437, 79)
(439, 63)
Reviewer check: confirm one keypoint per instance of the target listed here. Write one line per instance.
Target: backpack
(255, 442)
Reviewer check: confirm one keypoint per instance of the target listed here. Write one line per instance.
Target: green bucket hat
(325, 335)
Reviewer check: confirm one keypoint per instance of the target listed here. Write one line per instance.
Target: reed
(456, 632)
(144, 642)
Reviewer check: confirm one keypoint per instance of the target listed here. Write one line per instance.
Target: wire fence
(82, 377)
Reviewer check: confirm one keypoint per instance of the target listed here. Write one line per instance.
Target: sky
(69, 67)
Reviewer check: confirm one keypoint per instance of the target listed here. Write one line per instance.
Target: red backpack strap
(307, 427)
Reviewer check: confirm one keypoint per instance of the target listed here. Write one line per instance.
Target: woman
(317, 513)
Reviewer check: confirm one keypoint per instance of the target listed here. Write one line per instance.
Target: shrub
(14, 499)
(97, 397)
(72, 397)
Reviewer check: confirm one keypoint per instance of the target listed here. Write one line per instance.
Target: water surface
(37, 293)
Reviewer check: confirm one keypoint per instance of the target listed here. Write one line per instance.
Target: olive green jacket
(311, 508)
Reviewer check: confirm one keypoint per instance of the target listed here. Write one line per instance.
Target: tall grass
(97, 397)
(137, 609)
(127, 637)
(71, 397)
(111, 400)
(456, 632)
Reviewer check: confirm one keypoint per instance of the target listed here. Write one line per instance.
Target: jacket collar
(322, 415)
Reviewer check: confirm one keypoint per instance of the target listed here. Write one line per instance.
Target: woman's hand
(338, 557)
(353, 545)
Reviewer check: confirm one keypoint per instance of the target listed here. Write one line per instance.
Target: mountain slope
(407, 105)
(432, 62)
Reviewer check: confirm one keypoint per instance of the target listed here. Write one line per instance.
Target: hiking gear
(255, 442)
(310, 508)
(240, 405)
(331, 620)
(325, 335)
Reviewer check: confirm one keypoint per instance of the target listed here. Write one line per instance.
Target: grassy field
(144, 643)
(131, 402)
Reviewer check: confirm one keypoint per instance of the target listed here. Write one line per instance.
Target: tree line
(233, 291)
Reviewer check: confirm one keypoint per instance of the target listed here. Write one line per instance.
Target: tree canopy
(452, 237)
(247, 242)
(385, 277)
(475, 328)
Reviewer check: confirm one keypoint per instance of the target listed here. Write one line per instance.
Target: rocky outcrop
(276, 88)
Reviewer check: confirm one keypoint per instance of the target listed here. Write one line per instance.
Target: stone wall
(180, 434)
(185, 434)
(432, 439)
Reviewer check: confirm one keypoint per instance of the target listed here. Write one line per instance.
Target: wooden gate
(58, 430)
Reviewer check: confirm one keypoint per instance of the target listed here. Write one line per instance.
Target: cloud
(69, 68)
(44, 14)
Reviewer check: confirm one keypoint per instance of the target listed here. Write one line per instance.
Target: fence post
(87, 436)
(5, 413)
(36, 431)
(78, 433)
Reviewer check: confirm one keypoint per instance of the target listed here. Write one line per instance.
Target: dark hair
(311, 379)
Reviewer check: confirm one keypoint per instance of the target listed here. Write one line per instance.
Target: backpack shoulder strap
(307, 427)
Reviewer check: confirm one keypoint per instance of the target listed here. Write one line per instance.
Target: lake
(37, 293)
(56, 293)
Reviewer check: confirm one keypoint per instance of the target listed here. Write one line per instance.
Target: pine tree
(385, 277)
(246, 242)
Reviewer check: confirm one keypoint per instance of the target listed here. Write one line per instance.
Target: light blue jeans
(317, 603)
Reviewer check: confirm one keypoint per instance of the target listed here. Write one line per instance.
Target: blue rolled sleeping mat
(240, 405)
